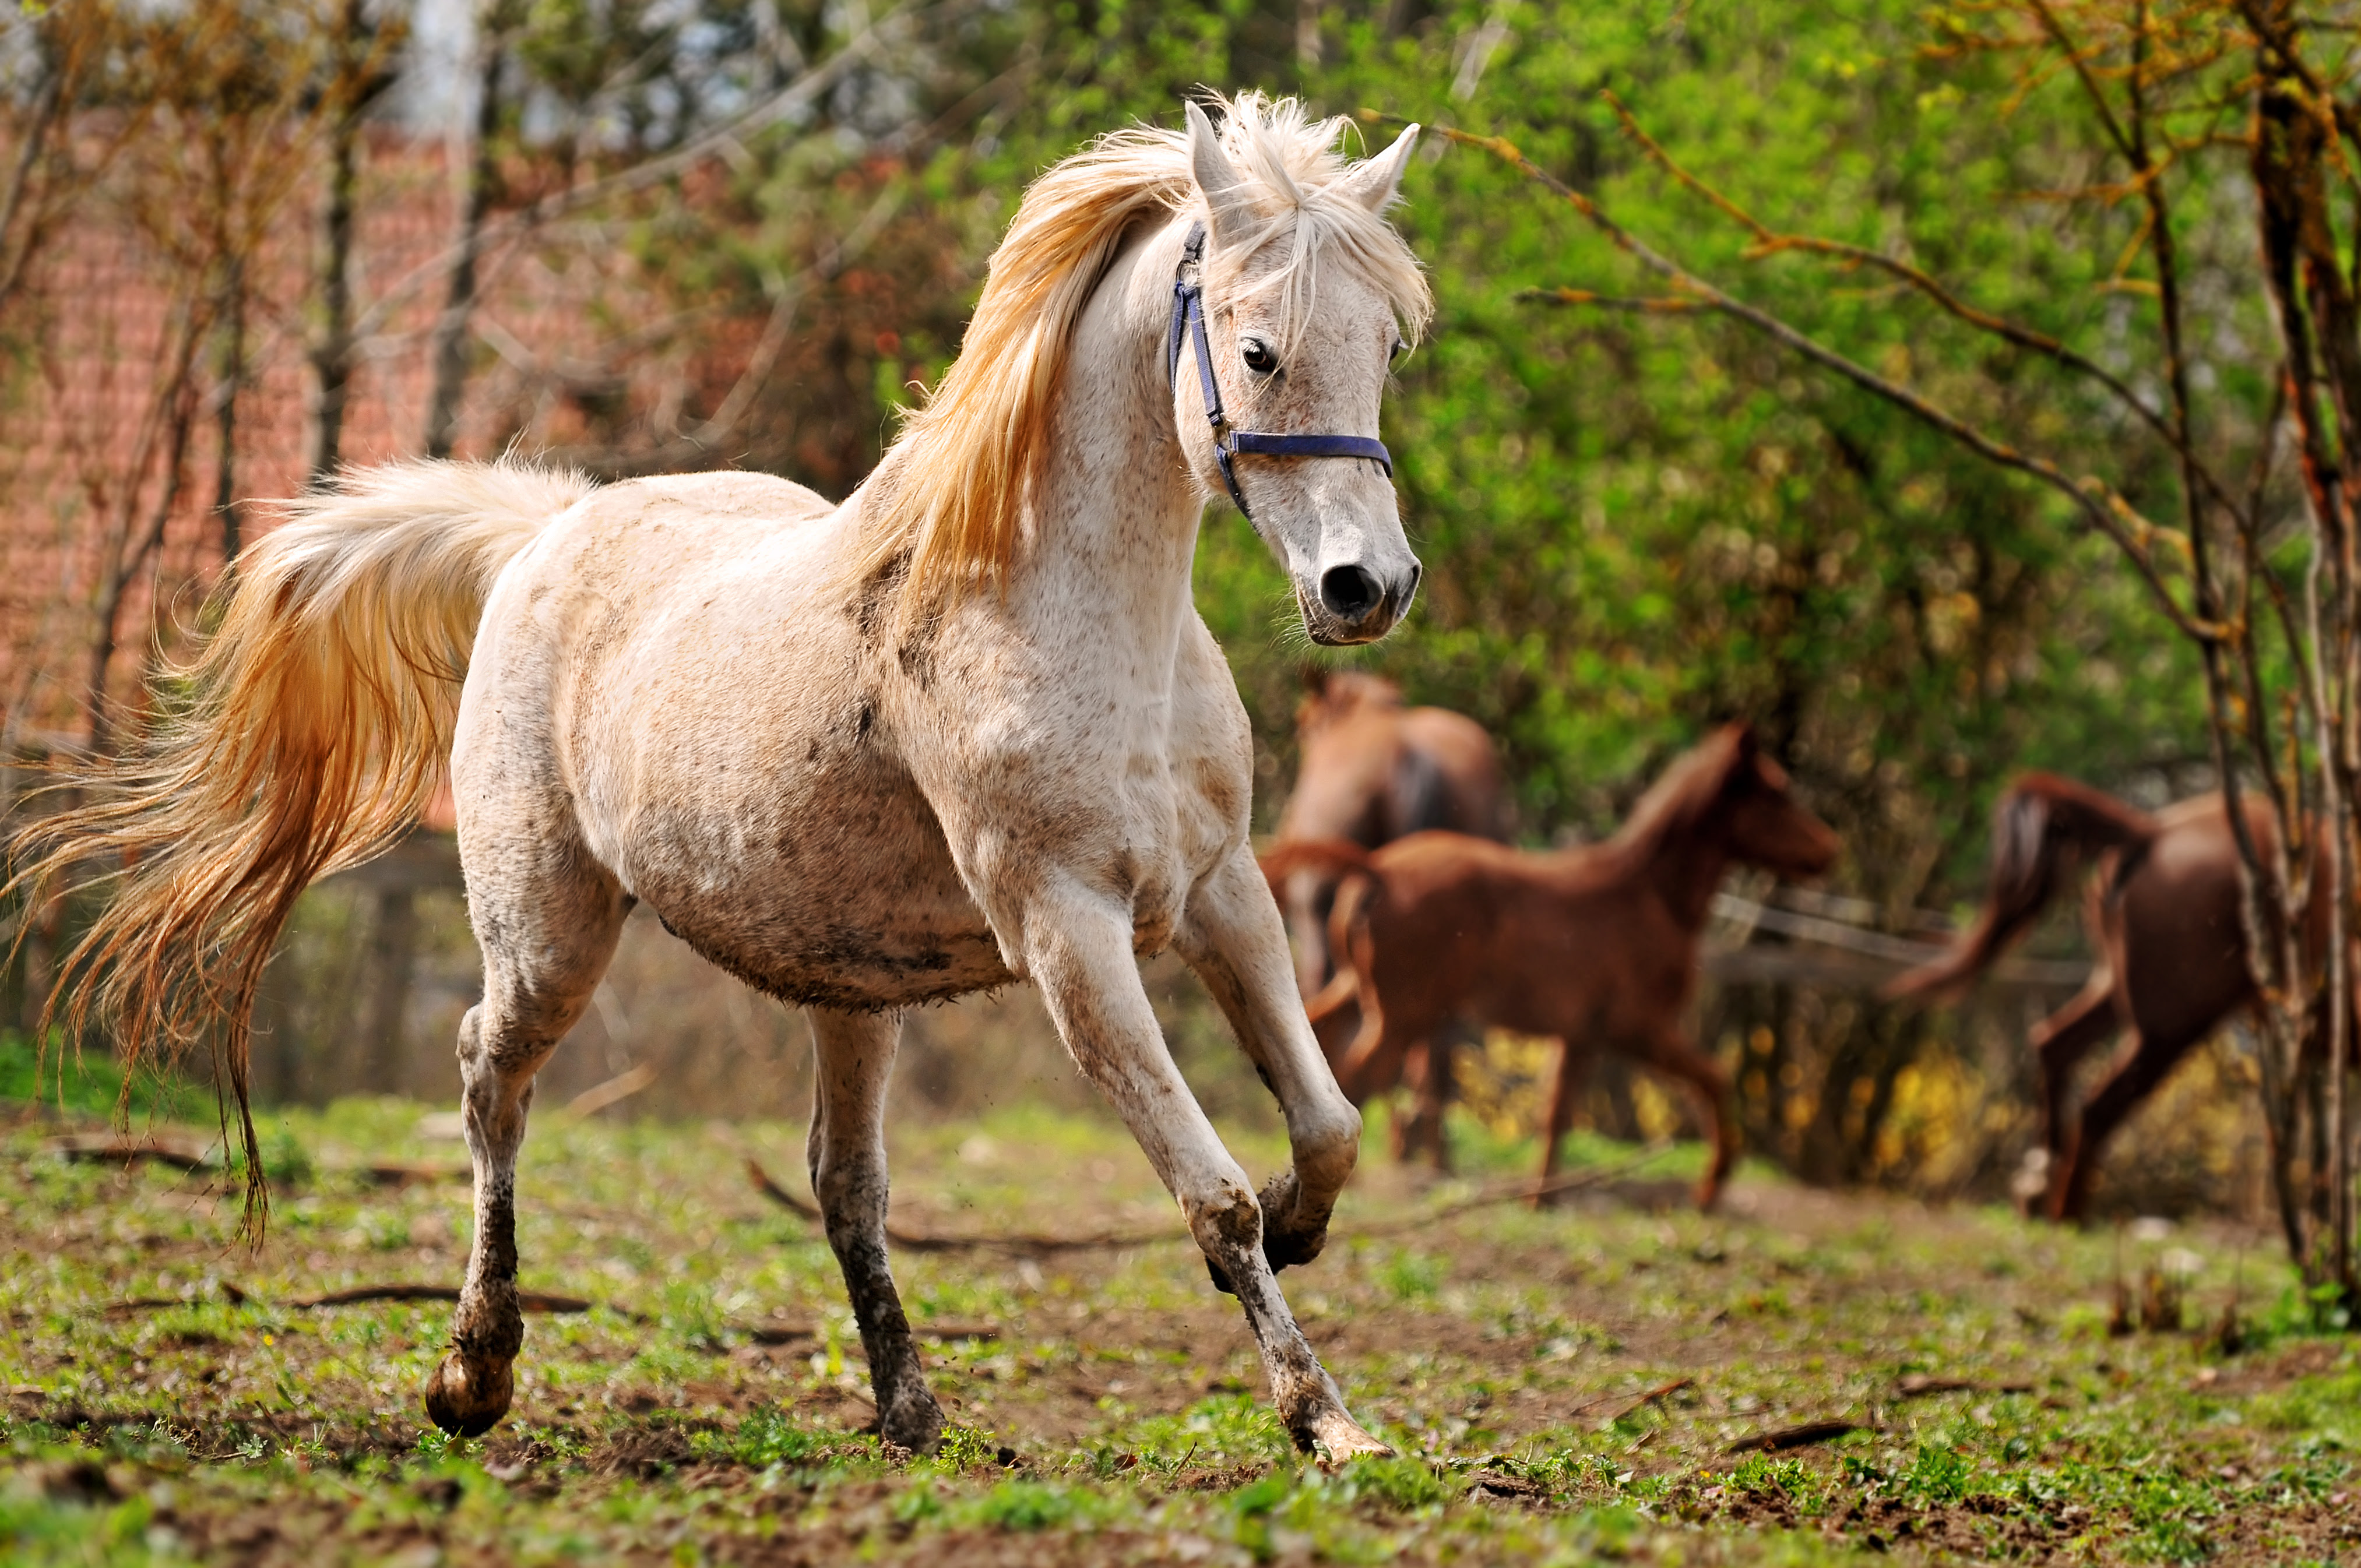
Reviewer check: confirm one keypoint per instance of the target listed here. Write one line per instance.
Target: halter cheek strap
(1189, 326)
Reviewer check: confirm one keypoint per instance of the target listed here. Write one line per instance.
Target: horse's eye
(1259, 357)
(1393, 355)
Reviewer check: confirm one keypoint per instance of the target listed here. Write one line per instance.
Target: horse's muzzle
(1354, 604)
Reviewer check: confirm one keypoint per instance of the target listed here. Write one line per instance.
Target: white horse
(964, 729)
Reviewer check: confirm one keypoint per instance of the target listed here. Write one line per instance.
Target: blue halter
(1189, 323)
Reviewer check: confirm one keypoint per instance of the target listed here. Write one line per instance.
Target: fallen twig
(796, 1333)
(621, 1086)
(126, 1149)
(1803, 1436)
(527, 1300)
(230, 1293)
(1921, 1383)
(402, 1173)
(1524, 1189)
(926, 1241)
(1521, 1190)
(1662, 1390)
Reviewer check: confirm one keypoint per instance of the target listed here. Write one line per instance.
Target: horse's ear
(1228, 212)
(1374, 181)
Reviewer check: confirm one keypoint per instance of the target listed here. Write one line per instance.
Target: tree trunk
(450, 349)
(392, 957)
(233, 380)
(333, 354)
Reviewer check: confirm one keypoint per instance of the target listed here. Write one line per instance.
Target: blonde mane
(947, 502)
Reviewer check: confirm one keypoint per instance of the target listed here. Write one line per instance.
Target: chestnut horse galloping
(964, 729)
(1373, 771)
(2163, 913)
(1596, 946)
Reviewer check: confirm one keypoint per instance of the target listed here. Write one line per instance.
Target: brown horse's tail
(1331, 857)
(1347, 861)
(2043, 831)
(306, 735)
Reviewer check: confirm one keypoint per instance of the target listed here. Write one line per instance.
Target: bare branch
(2100, 502)
(1769, 242)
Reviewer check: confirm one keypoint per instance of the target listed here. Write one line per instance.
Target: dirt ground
(1802, 1377)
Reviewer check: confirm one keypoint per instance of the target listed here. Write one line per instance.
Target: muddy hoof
(469, 1401)
(1335, 1437)
(1286, 1241)
(915, 1421)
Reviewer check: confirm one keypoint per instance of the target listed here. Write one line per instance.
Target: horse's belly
(834, 931)
(815, 872)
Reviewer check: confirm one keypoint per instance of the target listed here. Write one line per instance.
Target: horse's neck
(1114, 515)
(1683, 859)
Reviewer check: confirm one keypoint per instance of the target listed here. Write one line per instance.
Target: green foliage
(1767, 1475)
(1411, 1276)
(1397, 1482)
(86, 1082)
(1024, 1506)
(769, 1436)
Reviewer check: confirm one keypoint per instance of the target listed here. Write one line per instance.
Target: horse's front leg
(852, 1054)
(1230, 934)
(1077, 950)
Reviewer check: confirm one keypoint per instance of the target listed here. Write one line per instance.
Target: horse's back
(731, 492)
(2181, 934)
(1380, 773)
(1474, 794)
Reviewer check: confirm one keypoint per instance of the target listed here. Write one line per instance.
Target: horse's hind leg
(1670, 1053)
(546, 936)
(1573, 1067)
(2060, 1042)
(853, 1055)
(1427, 1070)
(1077, 946)
(2136, 1077)
(1231, 936)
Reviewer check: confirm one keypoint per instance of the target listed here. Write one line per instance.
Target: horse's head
(1308, 296)
(1330, 695)
(1767, 826)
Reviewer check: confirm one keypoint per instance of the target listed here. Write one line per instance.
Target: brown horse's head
(1766, 824)
(1332, 695)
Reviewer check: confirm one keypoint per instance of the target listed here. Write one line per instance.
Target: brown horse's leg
(1417, 1128)
(1427, 1070)
(2135, 1078)
(1572, 1068)
(1671, 1054)
(2060, 1042)
(1307, 922)
(545, 944)
(852, 1053)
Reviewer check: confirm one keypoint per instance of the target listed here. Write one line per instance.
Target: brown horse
(1597, 945)
(1374, 771)
(2162, 911)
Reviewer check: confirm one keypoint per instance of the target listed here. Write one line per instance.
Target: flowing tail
(305, 736)
(2043, 831)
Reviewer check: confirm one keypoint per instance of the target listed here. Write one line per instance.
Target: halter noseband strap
(1188, 323)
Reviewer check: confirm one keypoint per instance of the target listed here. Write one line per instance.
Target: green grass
(1561, 1386)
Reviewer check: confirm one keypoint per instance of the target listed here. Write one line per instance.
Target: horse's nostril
(1349, 592)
